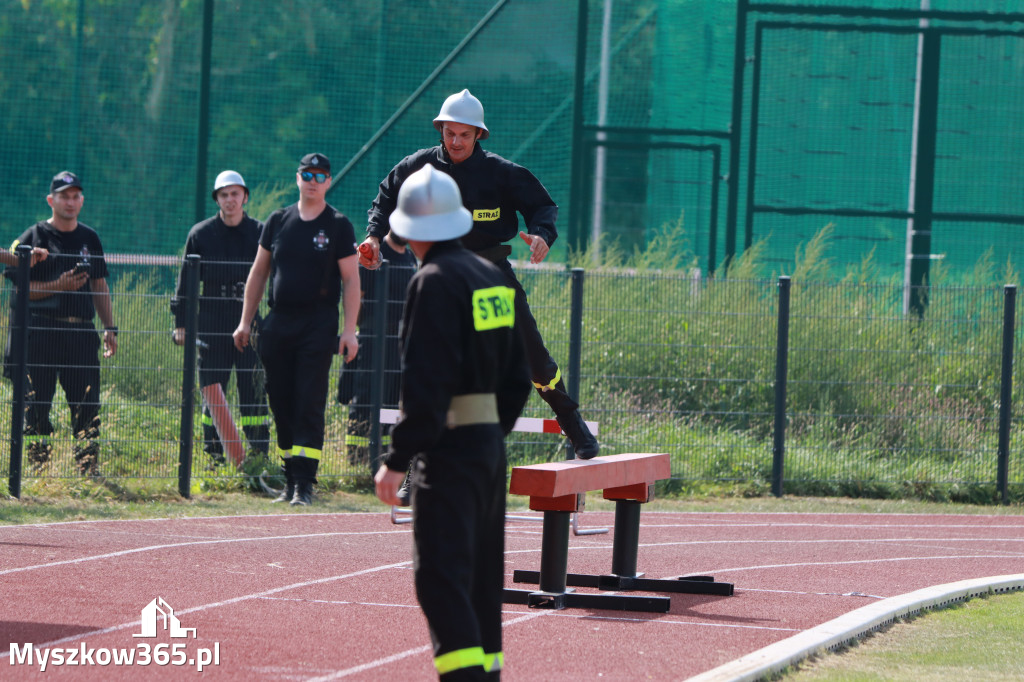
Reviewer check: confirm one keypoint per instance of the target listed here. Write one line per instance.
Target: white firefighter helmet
(463, 107)
(226, 178)
(430, 208)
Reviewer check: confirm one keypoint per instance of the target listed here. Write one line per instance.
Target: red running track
(311, 596)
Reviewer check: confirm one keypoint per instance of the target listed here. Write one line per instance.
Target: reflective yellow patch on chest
(487, 214)
(494, 307)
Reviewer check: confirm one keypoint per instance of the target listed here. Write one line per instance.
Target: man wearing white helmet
(464, 383)
(495, 191)
(226, 244)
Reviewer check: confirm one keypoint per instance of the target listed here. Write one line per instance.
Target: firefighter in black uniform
(226, 245)
(355, 381)
(464, 383)
(307, 253)
(494, 190)
(67, 290)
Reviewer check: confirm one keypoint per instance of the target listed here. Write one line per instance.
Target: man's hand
(38, 254)
(109, 343)
(538, 247)
(348, 347)
(69, 281)
(241, 337)
(386, 484)
(369, 253)
(178, 336)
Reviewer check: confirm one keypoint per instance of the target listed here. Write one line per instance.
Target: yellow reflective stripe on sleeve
(494, 662)
(494, 307)
(14, 245)
(252, 421)
(360, 441)
(303, 451)
(459, 659)
(487, 214)
(550, 386)
(206, 420)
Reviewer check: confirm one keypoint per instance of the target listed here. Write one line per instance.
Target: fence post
(575, 342)
(781, 368)
(19, 367)
(381, 306)
(188, 377)
(1006, 392)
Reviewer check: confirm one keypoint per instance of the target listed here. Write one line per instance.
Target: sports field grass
(978, 641)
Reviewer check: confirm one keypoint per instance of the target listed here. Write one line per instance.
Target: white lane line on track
(370, 665)
(175, 545)
(225, 602)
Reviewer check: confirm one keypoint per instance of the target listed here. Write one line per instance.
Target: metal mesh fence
(114, 92)
(875, 401)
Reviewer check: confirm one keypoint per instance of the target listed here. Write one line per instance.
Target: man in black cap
(307, 252)
(66, 291)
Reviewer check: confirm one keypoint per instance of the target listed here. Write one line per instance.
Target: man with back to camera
(307, 253)
(67, 290)
(494, 190)
(464, 383)
(226, 244)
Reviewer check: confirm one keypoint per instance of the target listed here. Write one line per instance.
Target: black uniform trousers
(458, 502)
(297, 347)
(543, 369)
(215, 363)
(65, 352)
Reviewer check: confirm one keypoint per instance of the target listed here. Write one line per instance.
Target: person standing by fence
(66, 291)
(355, 382)
(307, 252)
(226, 244)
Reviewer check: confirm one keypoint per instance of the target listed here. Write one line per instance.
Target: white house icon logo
(151, 615)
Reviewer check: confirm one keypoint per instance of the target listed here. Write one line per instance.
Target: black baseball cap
(61, 181)
(315, 161)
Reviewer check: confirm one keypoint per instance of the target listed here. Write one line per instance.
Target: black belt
(69, 319)
(495, 254)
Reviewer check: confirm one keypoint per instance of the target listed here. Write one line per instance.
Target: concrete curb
(854, 625)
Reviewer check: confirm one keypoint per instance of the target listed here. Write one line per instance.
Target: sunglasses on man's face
(320, 178)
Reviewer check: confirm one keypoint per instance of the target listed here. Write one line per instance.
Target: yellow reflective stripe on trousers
(459, 659)
(494, 662)
(206, 420)
(303, 451)
(360, 441)
(551, 386)
(252, 421)
(284, 454)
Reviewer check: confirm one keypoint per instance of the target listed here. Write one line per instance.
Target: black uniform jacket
(458, 337)
(493, 189)
(226, 253)
(81, 245)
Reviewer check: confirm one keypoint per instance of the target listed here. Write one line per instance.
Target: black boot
(305, 476)
(405, 492)
(583, 442)
(289, 483)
